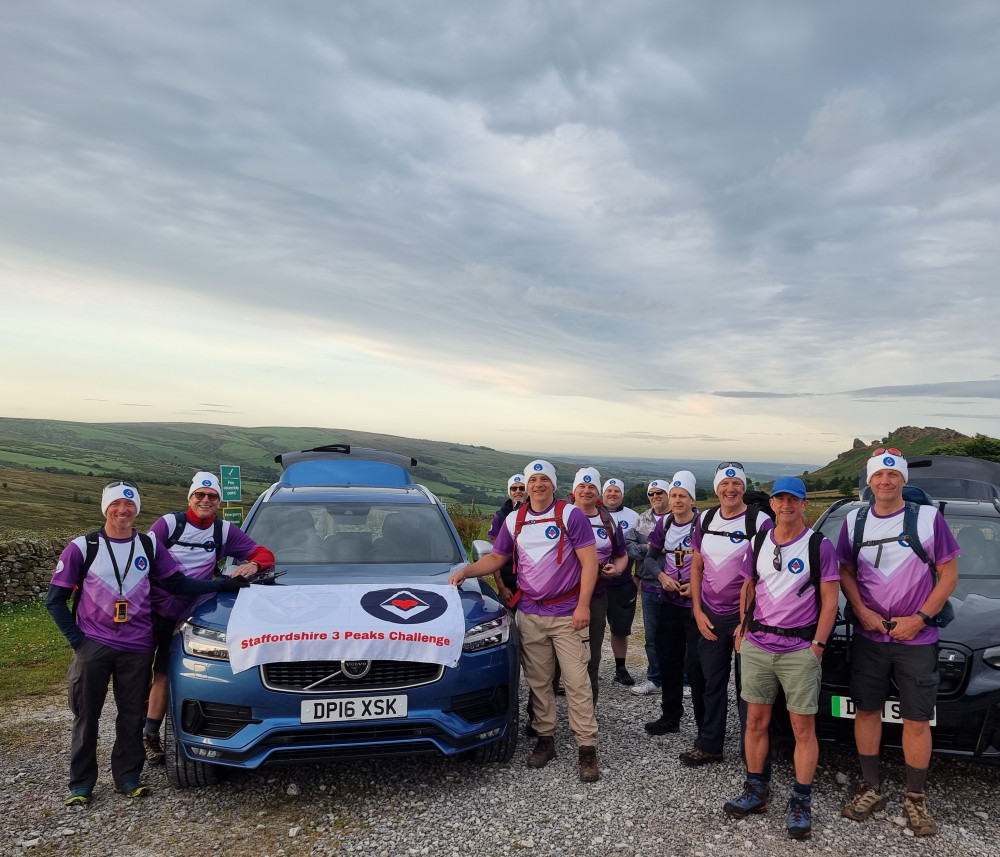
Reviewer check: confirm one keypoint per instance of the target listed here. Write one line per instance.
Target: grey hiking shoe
(866, 800)
(918, 819)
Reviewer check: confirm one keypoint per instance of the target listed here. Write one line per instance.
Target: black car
(967, 720)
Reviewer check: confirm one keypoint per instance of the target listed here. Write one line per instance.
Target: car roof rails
(336, 450)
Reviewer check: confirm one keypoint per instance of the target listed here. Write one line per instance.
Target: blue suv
(343, 515)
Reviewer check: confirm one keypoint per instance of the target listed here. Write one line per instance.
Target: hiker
(671, 550)
(722, 538)
(649, 589)
(556, 561)
(110, 629)
(197, 539)
(517, 493)
(612, 560)
(897, 571)
(622, 593)
(790, 589)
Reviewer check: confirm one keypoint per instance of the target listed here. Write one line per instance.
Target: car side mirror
(480, 548)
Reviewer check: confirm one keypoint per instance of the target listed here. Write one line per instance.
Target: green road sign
(233, 514)
(231, 489)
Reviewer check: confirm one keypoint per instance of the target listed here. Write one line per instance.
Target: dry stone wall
(26, 567)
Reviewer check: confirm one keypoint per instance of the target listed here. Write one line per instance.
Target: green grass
(33, 652)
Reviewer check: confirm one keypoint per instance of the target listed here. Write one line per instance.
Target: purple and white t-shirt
(196, 558)
(778, 601)
(609, 545)
(677, 544)
(540, 573)
(626, 519)
(100, 589)
(723, 557)
(900, 584)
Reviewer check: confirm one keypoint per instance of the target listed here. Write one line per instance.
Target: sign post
(232, 491)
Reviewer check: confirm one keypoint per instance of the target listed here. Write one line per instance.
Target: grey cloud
(943, 390)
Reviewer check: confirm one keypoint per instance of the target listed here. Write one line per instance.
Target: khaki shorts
(798, 673)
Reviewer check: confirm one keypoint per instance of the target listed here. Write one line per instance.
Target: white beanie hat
(684, 479)
(614, 483)
(540, 465)
(658, 485)
(887, 461)
(730, 471)
(588, 476)
(516, 479)
(203, 479)
(119, 491)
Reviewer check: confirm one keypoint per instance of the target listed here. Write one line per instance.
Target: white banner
(346, 622)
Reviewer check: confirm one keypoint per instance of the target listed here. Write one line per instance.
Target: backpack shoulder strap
(758, 544)
(217, 536)
(911, 511)
(706, 523)
(859, 532)
(815, 541)
(146, 540)
(522, 516)
(180, 522)
(93, 545)
(750, 516)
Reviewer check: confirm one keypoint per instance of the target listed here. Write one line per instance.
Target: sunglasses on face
(126, 482)
(882, 450)
(656, 493)
(514, 488)
(201, 496)
(727, 464)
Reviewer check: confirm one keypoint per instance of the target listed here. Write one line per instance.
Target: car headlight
(992, 657)
(204, 642)
(486, 635)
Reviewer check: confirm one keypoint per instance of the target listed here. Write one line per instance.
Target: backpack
(520, 522)
(93, 541)
(913, 499)
(751, 519)
(180, 522)
(806, 632)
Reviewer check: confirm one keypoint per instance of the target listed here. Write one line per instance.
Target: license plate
(843, 706)
(353, 708)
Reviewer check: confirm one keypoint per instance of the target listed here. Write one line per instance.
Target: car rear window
(309, 533)
(979, 538)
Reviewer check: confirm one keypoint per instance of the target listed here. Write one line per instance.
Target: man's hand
(738, 637)
(247, 569)
(907, 627)
(581, 617)
(705, 627)
(667, 582)
(870, 620)
(458, 577)
(504, 593)
(684, 590)
(608, 571)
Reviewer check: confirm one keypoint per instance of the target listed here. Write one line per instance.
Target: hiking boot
(752, 801)
(79, 797)
(622, 677)
(588, 765)
(133, 789)
(646, 688)
(154, 749)
(544, 752)
(662, 726)
(918, 819)
(800, 816)
(867, 799)
(696, 757)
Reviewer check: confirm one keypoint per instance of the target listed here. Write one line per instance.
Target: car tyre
(182, 772)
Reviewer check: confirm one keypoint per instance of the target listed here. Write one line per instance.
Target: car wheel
(181, 771)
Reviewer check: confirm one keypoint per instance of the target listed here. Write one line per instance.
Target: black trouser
(677, 638)
(716, 658)
(92, 667)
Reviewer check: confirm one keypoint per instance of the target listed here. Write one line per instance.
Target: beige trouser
(543, 640)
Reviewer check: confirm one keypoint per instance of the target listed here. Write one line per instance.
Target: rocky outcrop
(26, 567)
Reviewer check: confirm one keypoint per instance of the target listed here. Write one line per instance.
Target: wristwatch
(928, 620)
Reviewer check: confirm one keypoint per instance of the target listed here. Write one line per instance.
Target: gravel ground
(646, 803)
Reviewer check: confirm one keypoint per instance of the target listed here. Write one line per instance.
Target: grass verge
(33, 652)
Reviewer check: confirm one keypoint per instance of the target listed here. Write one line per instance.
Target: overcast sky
(659, 229)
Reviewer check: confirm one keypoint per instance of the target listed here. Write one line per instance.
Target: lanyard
(114, 562)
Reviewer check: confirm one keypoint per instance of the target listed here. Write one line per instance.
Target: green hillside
(842, 473)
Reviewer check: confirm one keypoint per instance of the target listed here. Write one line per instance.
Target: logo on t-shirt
(552, 532)
(796, 566)
(623, 525)
(737, 537)
(686, 542)
(602, 533)
(140, 563)
(903, 543)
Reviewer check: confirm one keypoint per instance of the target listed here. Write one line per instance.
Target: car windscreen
(979, 539)
(310, 533)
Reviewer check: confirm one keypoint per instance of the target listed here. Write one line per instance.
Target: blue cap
(789, 485)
